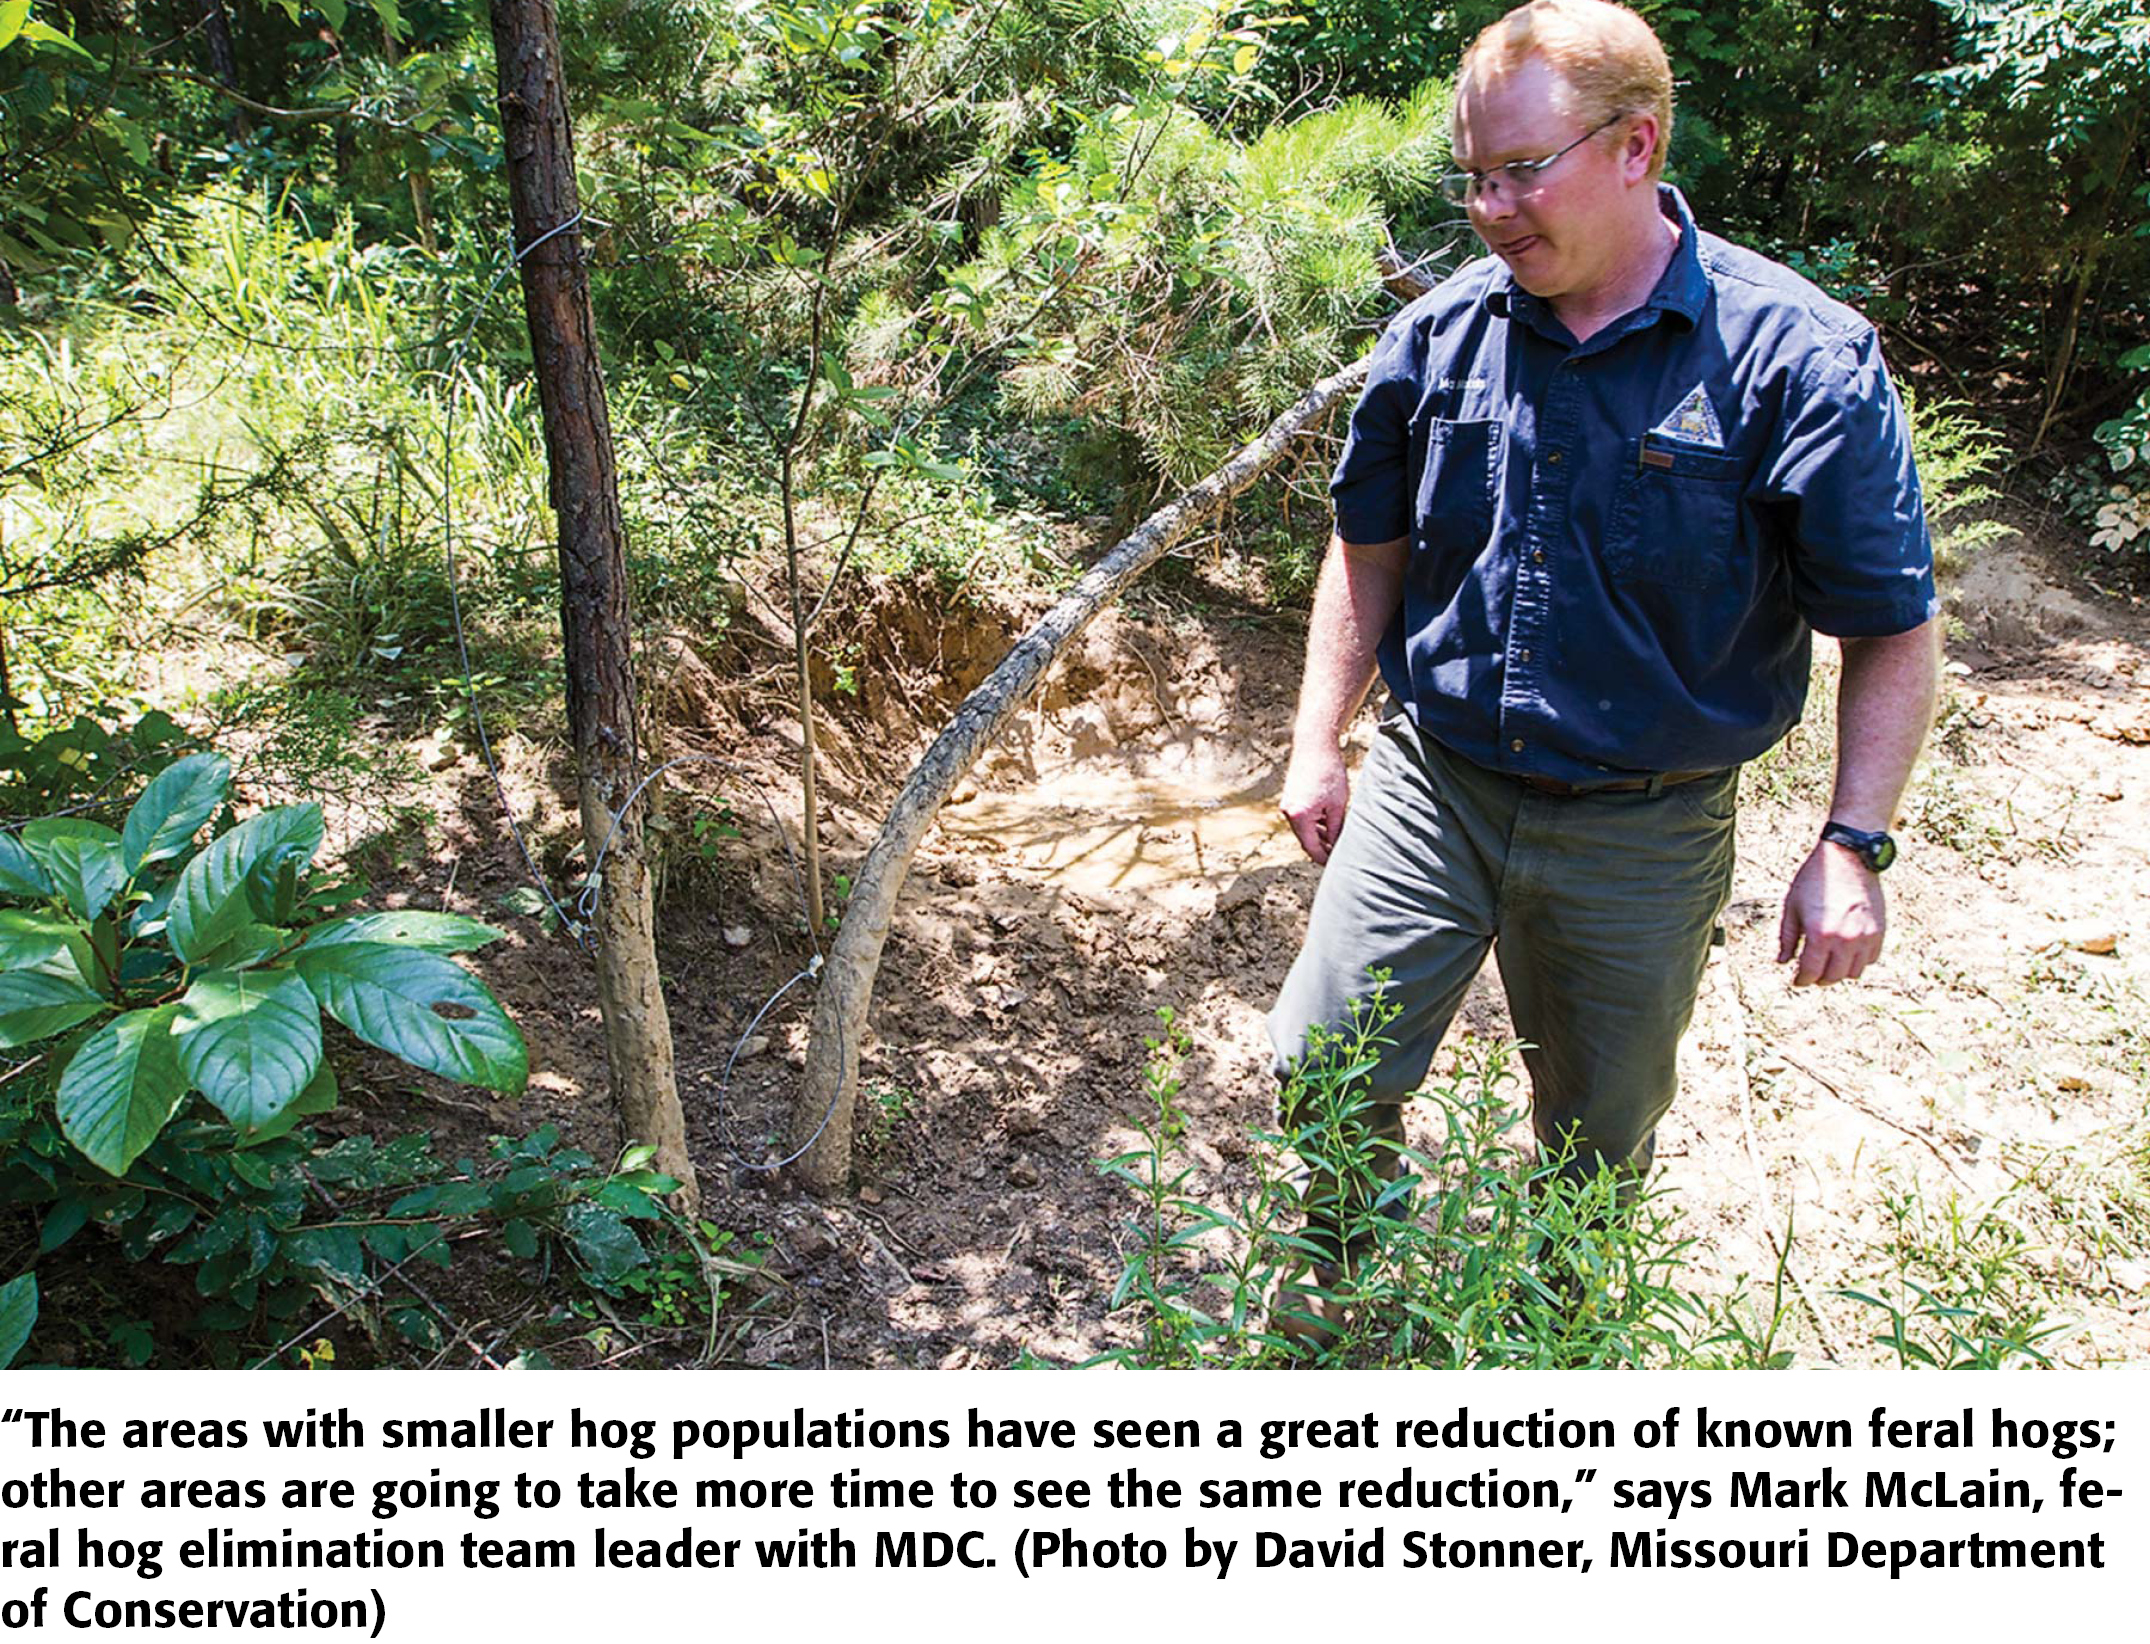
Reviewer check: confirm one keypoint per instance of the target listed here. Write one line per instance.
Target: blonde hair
(1609, 57)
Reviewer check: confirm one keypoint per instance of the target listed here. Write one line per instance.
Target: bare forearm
(1358, 593)
(1885, 704)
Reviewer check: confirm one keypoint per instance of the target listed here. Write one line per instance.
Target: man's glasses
(1517, 180)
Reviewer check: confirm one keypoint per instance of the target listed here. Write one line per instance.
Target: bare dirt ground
(1982, 1090)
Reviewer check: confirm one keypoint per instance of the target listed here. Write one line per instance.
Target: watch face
(1882, 853)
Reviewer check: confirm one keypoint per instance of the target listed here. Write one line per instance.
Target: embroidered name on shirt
(1693, 420)
(1443, 385)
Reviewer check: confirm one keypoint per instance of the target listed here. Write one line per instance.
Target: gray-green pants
(1599, 909)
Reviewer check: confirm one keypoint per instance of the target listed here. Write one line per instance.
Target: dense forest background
(906, 310)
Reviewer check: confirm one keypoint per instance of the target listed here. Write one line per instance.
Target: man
(1600, 489)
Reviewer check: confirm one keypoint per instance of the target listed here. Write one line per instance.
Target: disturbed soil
(1119, 852)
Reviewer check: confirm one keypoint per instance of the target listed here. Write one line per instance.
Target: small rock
(737, 936)
(753, 1046)
(2072, 1081)
(2095, 939)
(812, 1242)
(1023, 1173)
(1023, 1121)
(963, 793)
(869, 1195)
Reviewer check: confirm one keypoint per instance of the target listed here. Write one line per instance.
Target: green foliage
(1959, 1295)
(207, 970)
(1372, 48)
(1477, 1256)
(18, 1315)
(1955, 456)
(1217, 279)
(2119, 511)
(138, 969)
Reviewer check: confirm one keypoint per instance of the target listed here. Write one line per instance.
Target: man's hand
(1834, 918)
(1359, 591)
(1317, 791)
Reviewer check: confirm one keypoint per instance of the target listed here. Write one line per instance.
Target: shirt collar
(1683, 288)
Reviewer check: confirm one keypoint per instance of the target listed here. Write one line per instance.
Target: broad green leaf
(249, 1041)
(393, 999)
(84, 866)
(19, 873)
(30, 941)
(18, 1312)
(147, 919)
(335, 11)
(62, 1222)
(606, 1245)
(406, 927)
(210, 904)
(173, 808)
(46, 35)
(35, 1005)
(247, 946)
(42, 833)
(335, 1250)
(13, 14)
(521, 1237)
(121, 1088)
(317, 1098)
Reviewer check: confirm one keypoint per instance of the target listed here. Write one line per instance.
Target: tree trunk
(593, 573)
(821, 1122)
(2064, 352)
(420, 172)
(223, 61)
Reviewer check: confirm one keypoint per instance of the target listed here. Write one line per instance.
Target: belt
(1652, 785)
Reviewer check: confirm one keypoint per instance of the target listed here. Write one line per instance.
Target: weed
(887, 1106)
(1478, 1256)
(1945, 811)
(2091, 1197)
(1959, 1293)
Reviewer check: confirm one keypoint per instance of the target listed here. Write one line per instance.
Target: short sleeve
(1370, 487)
(1861, 561)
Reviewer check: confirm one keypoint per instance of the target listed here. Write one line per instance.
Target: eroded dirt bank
(1120, 852)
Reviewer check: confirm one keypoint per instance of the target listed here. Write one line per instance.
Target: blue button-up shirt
(1620, 547)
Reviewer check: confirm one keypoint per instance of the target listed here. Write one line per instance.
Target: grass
(1960, 1291)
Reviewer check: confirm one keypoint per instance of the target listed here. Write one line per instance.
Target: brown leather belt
(1640, 784)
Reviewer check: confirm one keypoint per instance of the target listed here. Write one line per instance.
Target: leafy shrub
(1478, 1257)
(1955, 454)
(1216, 279)
(2122, 516)
(137, 972)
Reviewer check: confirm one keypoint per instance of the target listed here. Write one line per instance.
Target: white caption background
(1099, 1566)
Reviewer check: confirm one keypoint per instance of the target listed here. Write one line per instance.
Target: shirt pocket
(1675, 519)
(1457, 489)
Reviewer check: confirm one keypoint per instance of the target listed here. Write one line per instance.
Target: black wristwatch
(1876, 850)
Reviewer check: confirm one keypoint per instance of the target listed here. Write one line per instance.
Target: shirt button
(1526, 656)
(1516, 746)
(1537, 557)
(1552, 456)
